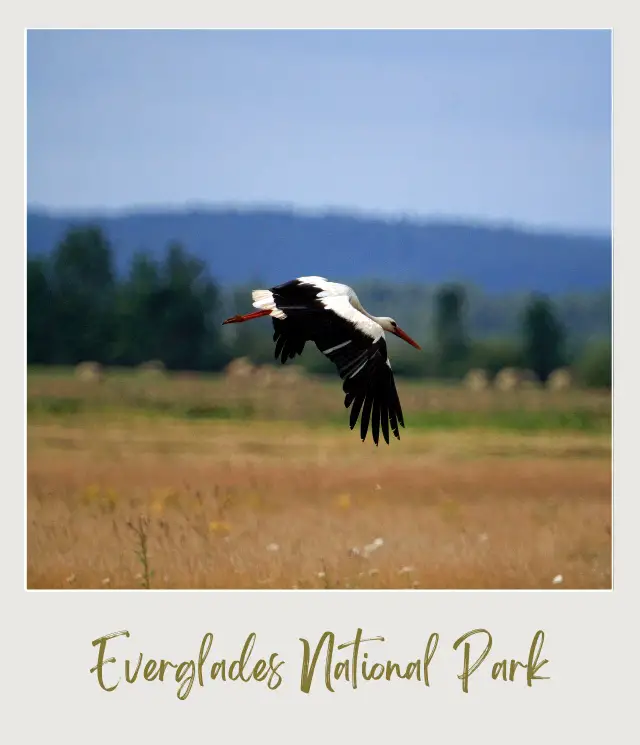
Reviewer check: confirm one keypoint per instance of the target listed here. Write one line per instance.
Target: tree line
(169, 309)
(79, 310)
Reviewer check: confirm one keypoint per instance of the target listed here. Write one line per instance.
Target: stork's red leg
(248, 317)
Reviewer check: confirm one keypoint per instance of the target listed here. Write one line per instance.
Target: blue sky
(505, 126)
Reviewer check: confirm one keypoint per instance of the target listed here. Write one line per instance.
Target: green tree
(543, 338)
(185, 312)
(452, 346)
(40, 326)
(138, 336)
(83, 288)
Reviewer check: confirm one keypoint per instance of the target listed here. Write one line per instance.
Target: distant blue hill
(275, 245)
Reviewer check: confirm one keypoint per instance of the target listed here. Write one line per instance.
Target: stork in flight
(330, 314)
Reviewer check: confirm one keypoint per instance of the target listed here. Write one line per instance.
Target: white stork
(330, 314)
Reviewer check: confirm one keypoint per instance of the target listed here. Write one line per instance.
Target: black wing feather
(384, 419)
(355, 410)
(369, 387)
(375, 419)
(366, 415)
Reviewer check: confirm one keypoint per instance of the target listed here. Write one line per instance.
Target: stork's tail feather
(264, 300)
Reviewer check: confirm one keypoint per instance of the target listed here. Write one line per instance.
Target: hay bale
(290, 374)
(265, 375)
(476, 380)
(152, 369)
(240, 368)
(89, 372)
(507, 379)
(560, 379)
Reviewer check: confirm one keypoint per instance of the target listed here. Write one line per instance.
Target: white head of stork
(330, 315)
(388, 324)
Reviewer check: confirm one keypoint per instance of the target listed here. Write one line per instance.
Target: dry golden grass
(257, 505)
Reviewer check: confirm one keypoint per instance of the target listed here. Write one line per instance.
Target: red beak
(399, 332)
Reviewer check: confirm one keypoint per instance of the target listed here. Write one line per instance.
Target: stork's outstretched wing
(352, 341)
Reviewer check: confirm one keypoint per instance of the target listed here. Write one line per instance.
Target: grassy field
(204, 482)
